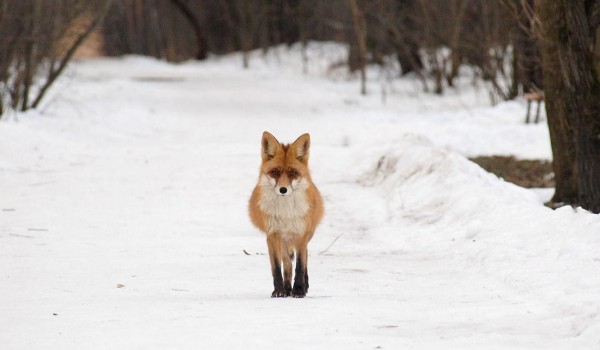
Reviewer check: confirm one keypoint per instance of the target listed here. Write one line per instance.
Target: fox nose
(283, 190)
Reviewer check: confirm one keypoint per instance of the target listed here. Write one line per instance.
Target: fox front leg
(301, 279)
(274, 244)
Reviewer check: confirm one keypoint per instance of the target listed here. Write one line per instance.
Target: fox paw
(279, 294)
(299, 291)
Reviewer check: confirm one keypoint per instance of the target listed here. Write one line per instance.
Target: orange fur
(287, 207)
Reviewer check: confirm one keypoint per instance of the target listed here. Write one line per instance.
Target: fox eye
(293, 173)
(275, 172)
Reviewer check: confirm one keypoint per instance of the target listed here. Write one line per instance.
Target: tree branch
(55, 73)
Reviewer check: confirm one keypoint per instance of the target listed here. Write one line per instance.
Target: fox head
(285, 166)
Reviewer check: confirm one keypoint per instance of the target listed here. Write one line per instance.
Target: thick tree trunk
(572, 83)
(559, 122)
(583, 92)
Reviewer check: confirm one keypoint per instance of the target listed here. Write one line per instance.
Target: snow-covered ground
(123, 219)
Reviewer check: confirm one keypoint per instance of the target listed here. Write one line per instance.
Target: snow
(123, 217)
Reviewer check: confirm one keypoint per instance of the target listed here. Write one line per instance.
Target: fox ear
(269, 146)
(302, 146)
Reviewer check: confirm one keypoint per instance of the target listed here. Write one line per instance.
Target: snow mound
(443, 203)
(429, 185)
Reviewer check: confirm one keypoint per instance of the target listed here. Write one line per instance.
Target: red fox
(287, 207)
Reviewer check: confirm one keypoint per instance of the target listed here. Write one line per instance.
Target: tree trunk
(409, 58)
(31, 53)
(559, 123)
(302, 33)
(572, 90)
(583, 92)
(459, 7)
(360, 29)
(407, 41)
(516, 71)
(202, 50)
(244, 30)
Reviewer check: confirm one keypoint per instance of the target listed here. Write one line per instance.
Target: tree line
(431, 39)
(515, 46)
(490, 35)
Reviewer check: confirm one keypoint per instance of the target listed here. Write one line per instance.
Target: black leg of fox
(301, 279)
(274, 244)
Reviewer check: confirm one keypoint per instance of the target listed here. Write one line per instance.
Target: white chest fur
(285, 213)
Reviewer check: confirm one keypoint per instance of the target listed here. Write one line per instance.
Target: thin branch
(330, 244)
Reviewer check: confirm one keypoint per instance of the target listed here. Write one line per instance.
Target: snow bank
(442, 201)
(430, 185)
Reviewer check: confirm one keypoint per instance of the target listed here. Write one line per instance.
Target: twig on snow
(329, 246)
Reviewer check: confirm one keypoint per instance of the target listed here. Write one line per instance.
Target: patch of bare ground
(525, 173)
